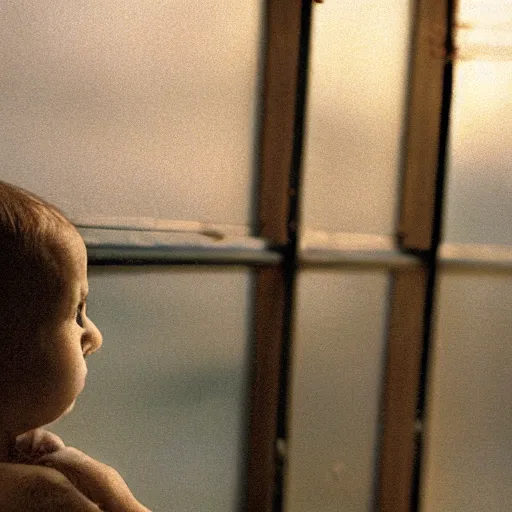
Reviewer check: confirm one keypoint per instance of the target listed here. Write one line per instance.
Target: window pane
(468, 465)
(166, 395)
(358, 81)
(132, 108)
(336, 387)
(479, 183)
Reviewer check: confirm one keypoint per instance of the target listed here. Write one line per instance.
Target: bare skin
(37, 471)
(61, 478)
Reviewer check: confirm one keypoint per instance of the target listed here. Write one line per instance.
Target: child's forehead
(69, 247)
(67, 268)
(69, 239)
(62, 259)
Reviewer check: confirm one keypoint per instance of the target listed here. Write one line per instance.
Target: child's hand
(32, 444)
(100, 483)
(38, 442)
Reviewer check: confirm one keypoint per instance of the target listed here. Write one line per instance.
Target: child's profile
(45, 338)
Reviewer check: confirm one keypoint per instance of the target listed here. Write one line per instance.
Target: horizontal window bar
(161, 225)
(105, 245)
(155, 241)
(476, 255)
(328, 248)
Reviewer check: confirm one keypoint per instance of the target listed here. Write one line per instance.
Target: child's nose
(93, 339)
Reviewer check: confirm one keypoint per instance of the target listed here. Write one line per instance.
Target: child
(45, 336)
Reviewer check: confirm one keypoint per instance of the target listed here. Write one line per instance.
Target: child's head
(44, 331)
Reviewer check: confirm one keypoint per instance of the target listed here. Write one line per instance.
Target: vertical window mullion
(281, 127)
(418, 232)
(422, 140)
(401, 384)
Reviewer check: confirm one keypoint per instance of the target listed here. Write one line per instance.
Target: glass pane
(336, 386)
(166, 395)
(479, 182)
(468, 466)
(132, 108)
(358, 82)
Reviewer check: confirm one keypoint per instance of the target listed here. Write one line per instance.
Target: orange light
(484, 30)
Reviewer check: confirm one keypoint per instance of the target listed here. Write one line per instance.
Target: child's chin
(69, 409)
(66, 411)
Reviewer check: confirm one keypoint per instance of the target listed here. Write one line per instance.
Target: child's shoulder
(25, 488)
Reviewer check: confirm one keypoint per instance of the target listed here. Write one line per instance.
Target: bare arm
(37, 489)
(100, 483)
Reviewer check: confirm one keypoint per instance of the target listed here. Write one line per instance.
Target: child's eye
(79, 315)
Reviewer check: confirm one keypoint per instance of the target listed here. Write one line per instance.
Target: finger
(70, 460)
(49, 442)
(100, 483)
(97, 481)
(77, 467)
(38, 441)
(45, 441)
(24, 441)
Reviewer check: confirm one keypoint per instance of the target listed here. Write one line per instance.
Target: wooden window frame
(277, 256)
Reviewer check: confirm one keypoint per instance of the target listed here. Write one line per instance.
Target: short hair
(29, 273)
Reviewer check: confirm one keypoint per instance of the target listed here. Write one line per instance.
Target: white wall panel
(357, 87)
(335, 395)
(479, 180)
(468, 453)
(166, 395)
(132, 107)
